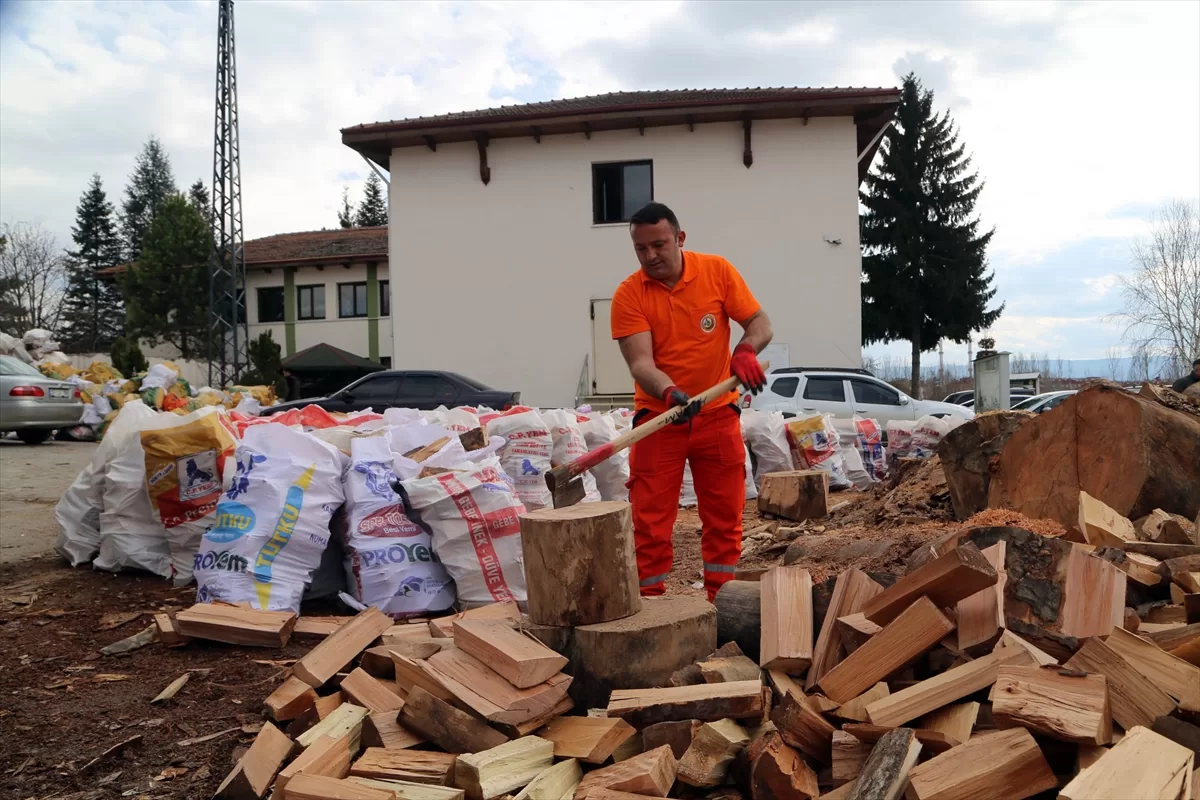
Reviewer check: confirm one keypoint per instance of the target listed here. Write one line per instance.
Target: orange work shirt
(689, 323)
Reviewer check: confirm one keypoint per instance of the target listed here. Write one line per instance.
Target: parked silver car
(33, 405)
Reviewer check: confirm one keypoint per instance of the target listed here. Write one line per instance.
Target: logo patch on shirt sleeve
(708, 323)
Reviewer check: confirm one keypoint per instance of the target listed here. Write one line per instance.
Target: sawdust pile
(1003, 517)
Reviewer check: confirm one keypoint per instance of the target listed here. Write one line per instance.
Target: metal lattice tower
(227, 334)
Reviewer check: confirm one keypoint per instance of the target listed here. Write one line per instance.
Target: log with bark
(967, 453)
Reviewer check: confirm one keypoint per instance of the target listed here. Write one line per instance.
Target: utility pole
(227, 332)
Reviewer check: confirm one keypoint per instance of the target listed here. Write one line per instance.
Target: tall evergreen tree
(373, 208)
(151, 183)
(346, 213)
(925, 275)
(166, 290)
(198, 197)
(93, 310)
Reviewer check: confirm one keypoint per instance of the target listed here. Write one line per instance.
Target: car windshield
(15, 366)
(1028, 402)
(474, 384)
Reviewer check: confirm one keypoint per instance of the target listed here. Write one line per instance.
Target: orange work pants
(711, 444)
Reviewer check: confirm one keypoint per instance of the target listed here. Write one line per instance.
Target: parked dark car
(408, 389)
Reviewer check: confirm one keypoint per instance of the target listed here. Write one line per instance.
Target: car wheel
(34, 436)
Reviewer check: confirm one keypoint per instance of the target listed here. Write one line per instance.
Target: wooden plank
(418, 766)
(727, 670)
(954, 721)
(787, 626)
(1180, 732)
(443, 627)
(932, 741)
(409, 632)
(518, 657)
(258, 766)
(947, 579)
(911, 634)
(1101, 525)
(416, 648)
(1161, 772)
(318, 787)
(326, 756)
(851, 591)
(377, 662)
(410, 673)
(488, 694)
(707, 702)
(980, 617)
(712, 750)
(803, 727)
(219, 622)
(317, 627)
(1006, 764)
(1072, 708)
(849, 755)
(450, 729)
(1175, 676)
(345, 720)
(169, 633)
(289, 700)
(319, 710)
(855, 710)
(384, 730)
(369, 693)
(532, 724)
(854, 630)
(1174, 637)
(590, 739)
(1039, 656)
(407, 790)
(554, 783)
(650, 773)
(501, 769)
(1134, 699)
(775, 771)
(885, 774)
(1094, 599)
(796, 495)
(677, 735)
(341, 647)
(952, 685)
(1162, 551)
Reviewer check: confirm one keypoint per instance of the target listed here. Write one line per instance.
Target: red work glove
(744, 364)
(674, 396)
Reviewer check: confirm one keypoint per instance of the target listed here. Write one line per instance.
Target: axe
(564, 483)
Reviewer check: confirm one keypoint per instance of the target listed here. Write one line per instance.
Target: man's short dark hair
(654, 213)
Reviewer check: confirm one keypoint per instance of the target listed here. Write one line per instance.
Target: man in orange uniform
(671, 319)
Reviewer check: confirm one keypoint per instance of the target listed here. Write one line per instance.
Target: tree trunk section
(641, 651)
(579, 564)
(1131, 453)
(967, 453)
(738, 615)
(915, 383)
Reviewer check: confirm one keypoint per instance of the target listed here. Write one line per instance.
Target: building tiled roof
(338, 244)
(630, 101)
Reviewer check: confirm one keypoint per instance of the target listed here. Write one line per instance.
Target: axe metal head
(564, 490)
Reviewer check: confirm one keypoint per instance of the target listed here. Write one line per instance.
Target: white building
(508, 230)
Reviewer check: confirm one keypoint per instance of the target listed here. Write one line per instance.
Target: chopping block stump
(579, 564)
(798, 495)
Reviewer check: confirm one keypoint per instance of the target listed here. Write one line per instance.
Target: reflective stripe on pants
(712, 446)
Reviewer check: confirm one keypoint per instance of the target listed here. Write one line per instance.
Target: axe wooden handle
(561, 475)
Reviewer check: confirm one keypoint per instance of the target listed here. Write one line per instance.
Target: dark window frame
(282, 303)
(310, 287)
(396, 380)
(812, 380)
(385, 298)
(354, 300)
(599, 217)
(792, 381)
(453, 391)
(891, 391)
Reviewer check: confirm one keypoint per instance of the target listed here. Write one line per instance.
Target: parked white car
(844, 393)
(1041, 403)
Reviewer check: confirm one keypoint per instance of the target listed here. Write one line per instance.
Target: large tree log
(641, 651)
(1131, 453)
(579, 564)
(967, 453)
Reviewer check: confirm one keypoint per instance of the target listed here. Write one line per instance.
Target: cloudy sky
(1081, 117)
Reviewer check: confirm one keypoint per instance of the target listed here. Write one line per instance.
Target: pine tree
(151, 183)
(373, 208)
(93, 310)
(924, 260)
(198, 197)
(346, 213)
(166, 290)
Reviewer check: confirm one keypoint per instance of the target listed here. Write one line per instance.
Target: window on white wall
(620, 189)
(270, 304)
(352, 299)
(310, 302)
(385, 298)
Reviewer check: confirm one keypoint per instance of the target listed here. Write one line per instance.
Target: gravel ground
(32, 479)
